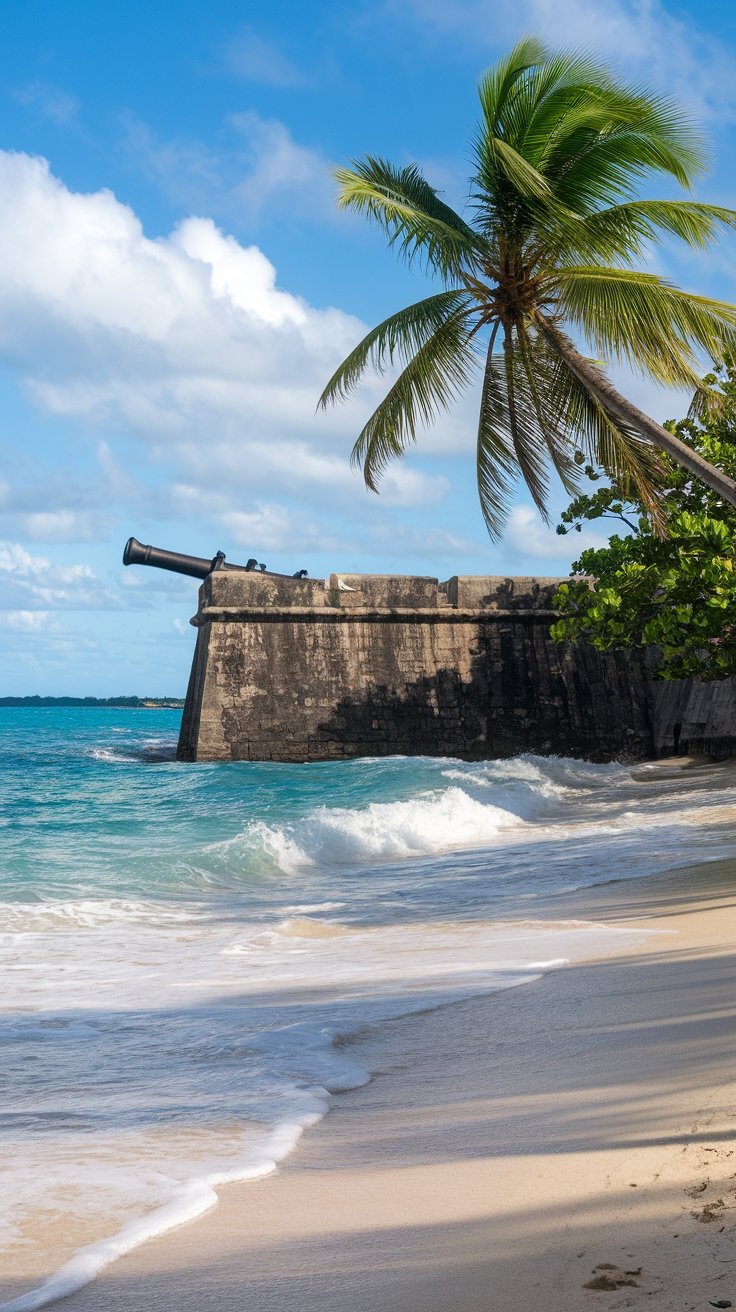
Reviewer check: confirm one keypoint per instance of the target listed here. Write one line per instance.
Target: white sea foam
(191, 1200)
(41, 917)
(310, 908)
(451, 959)
(385, 831)
(500, 804)
(533, 787)
(149, 749)
(497, 800)
(112, 754)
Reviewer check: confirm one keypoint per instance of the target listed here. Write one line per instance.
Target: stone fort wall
(368, 665)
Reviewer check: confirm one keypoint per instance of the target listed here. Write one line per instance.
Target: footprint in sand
(609, 1276)
(711, 1212)
(696, 1189)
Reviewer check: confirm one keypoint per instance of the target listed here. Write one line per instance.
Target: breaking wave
(384, 831)
(485, 802)
(155, 751)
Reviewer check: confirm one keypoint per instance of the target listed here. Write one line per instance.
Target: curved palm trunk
(600, 387)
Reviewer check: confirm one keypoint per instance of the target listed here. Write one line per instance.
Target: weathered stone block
(470, 592)
(240, 590)
(384, 591)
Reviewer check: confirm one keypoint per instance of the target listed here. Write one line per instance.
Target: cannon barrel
(197, 567)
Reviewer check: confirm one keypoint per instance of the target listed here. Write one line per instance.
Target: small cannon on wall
(197, 567)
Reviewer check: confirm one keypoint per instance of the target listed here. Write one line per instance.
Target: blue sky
(176, 286)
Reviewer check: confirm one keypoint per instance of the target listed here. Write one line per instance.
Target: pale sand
(507, 1147)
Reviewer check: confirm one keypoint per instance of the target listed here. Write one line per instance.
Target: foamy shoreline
(444, 1173)
(332, 1061)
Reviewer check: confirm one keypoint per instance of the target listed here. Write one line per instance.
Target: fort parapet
(375, 665)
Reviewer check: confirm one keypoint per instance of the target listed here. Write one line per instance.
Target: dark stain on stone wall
(525, 694)
(690, 718)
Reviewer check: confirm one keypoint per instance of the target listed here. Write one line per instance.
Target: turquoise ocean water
(181, 946)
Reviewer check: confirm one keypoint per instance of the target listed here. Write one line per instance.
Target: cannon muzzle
(197, 567)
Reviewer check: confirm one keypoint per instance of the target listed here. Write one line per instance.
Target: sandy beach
(568, 1144)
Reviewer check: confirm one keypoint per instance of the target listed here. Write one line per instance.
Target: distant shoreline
(120, 703)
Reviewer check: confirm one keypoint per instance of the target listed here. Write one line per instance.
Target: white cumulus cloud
(185, 343)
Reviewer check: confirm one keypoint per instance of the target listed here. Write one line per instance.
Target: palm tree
(549, 257)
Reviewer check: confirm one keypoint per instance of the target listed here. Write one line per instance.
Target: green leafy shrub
(675, 593)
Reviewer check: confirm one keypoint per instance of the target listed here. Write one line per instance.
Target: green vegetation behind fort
(672, 594)
(132, 703)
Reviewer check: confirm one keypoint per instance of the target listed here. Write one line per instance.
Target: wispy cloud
(280, 170)
(254, 58)
(644, 38)
(65, 526)
(49, 101)
(183, 170)
(258, 170)
(415, 542)
(26, 621)
(65, 506)
(47, 586)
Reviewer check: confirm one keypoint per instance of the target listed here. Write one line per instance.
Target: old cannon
(197, 567)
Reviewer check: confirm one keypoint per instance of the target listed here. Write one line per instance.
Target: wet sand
(564, 1145)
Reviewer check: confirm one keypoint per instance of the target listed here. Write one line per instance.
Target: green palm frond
(641, 320)
(609, 444)
(525, 432)
(410, 212)
(581, 104)
(621, 233)
(500, 163)
(573, 124)
(630, 225)
(502, 83)
(604, 168)
(497, 468)
(606, 440)
(563, 123)
(523, 428)
(426, 387)
(541, 369)
(398, 338)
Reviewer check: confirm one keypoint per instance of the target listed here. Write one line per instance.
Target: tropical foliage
(676, 594)
(546, 257)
